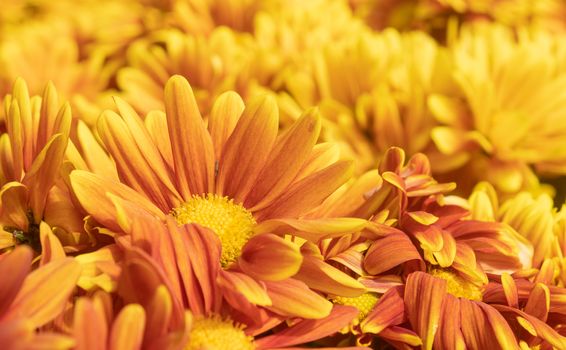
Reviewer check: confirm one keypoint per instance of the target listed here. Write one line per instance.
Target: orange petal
(270, 257)
(286, 159)
(45, 291)
(138, 161)
(247, 149)
(393, 160)
(449, 335)
(503, 332)
(156, 125)
(193, 152)
(159, 313)
(90, 328)
(423, 301)
(43, 173)
(312, 229)
(538, 303)
(510, 290)
(90, 190)
(200, 248)
(401, 337)
(389, 310)
(51, 248)
(14, 205)
(14, 267)
(321, 276)
(97, 160)
(306, 331)
(293, 298)
(128, 328)
(305, 195)
(223, 118)
(445, 257)
(388, 252)
(254, 291)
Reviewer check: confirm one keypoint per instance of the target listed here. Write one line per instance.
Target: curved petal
(304, 195)
(254, 291)
(423, 301)
(389, 311)
(128, 328)
(223, 118)
(193, 152)
(90, 190)
(388, 252)
(51, 248)
(270, 257)
(312, 229)
(309, 330)
(45, 291)
(14, 205)
(293, 298)
(321, 276)
(286, 159)
(14, 268)
(247, 149)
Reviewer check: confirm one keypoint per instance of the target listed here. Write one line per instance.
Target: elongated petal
(321, 276)
(285, 161)
(90, 189)
(247, 149)
(193, 152)
(312, 229)
(51, 248)
(449, 335)
(538, 303)
(270, 257)
(389, 310)
(388, 252)
(254, 291)
(306, 194)
(293, 298)
(309, 330)
(128, 328)
(14, 267)
(137, 159)
(13, 203)
(43, 173)
(423, 302)
(41, 299)
(90, 328)
(223, 118)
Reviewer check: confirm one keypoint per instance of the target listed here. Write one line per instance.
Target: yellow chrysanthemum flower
(505, 116)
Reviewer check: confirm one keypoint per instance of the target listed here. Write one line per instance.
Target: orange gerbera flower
(240, 174)
(30, 301)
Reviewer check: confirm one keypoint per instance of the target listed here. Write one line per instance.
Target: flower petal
(51, 248)
(14, 267)
(247, 149)
(223, 118)
(270, 257)
(254, 291)
(128, 328)
(309, 330)
(41, 299)
(293, 298)
(423, 301)
(189, 139)
(286, 159)
(389, 310)
(306, 194)
(388, 252)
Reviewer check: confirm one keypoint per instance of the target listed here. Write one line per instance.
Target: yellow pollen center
(231, 222)
(364, 303)
(214, 333)
(458, 286)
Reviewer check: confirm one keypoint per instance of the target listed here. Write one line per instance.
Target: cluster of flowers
(261, 174)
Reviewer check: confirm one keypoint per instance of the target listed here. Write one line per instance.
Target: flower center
(458, 286)
(364, 303)
(231, 222)
(217, 334)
